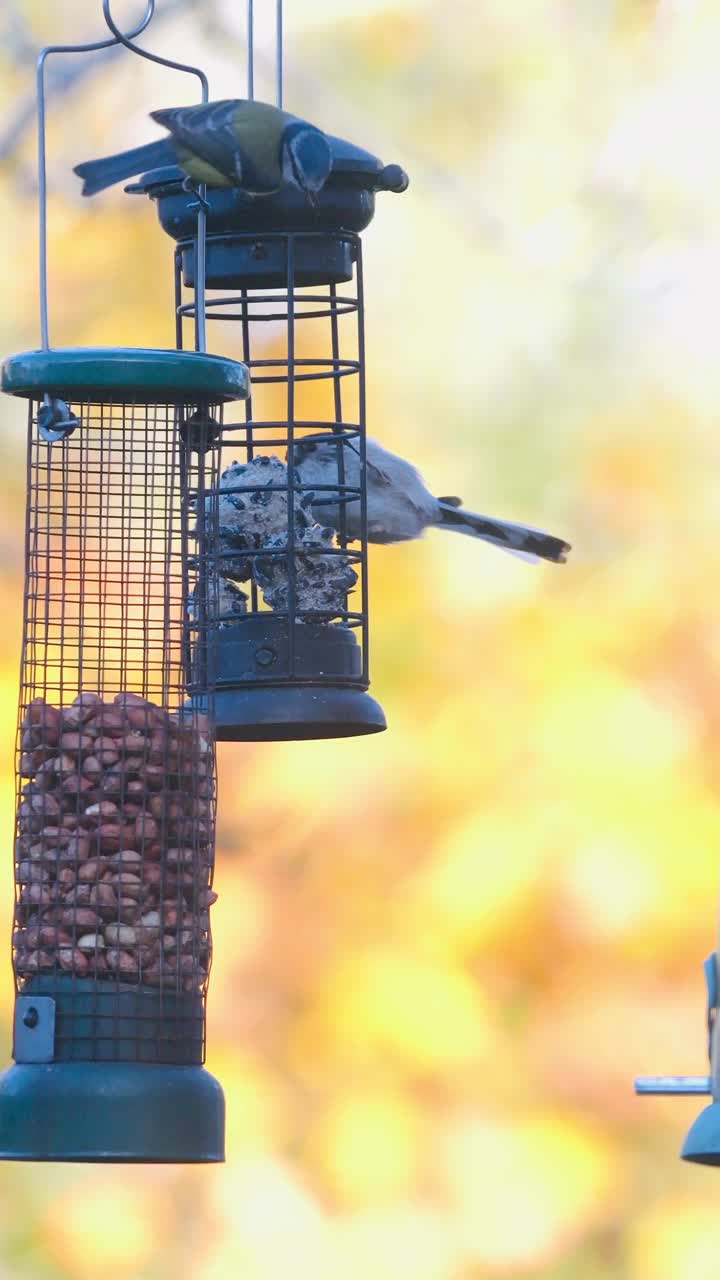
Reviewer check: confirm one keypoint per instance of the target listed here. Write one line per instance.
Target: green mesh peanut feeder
(116, 792)
(116, 778)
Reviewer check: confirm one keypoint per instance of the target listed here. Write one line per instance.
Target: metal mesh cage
(116, 781)
(116, 774)
(289, 628)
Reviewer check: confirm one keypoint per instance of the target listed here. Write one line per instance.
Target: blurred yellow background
(442, 954)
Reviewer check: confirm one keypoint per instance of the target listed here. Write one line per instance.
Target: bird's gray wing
(406, 486)
(399, 506)
(376, 473)
(207, 130)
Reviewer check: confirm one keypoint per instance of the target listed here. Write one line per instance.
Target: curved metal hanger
(279, 53)
(127, 40)
(116, 37)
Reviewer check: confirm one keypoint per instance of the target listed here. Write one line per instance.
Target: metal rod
(337, 425)
(362, 444)
(249, 437)
(42, 154)
(200, 263)
(679, 1085)
(178, 300)
(250, 49)
(291, 473)
(279, 53)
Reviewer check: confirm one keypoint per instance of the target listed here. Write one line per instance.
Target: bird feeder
(290, 637)
(702, 1144)
(116, 778)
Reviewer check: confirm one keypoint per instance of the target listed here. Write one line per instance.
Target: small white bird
(399, 506)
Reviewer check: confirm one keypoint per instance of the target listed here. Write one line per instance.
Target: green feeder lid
(124, 373)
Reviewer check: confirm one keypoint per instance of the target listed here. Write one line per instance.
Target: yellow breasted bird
(231, 143)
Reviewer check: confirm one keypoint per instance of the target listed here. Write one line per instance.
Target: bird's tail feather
(99, 174)
(517, 538)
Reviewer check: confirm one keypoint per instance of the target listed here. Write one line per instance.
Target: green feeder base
(300, 701)
(300, 714)
(110, 1111)
(702, 1144)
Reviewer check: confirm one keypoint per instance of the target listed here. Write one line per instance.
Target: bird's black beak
(311, 197)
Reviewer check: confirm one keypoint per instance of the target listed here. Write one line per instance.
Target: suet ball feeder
(290, 668)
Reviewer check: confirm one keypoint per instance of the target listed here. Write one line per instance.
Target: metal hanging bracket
(126, 39)
(34, 1029)
(680, 1086)
(55, 420)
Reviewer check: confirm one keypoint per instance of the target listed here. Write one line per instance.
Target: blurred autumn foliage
(442, 954)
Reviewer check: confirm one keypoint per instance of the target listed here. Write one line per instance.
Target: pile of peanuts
(114, 845)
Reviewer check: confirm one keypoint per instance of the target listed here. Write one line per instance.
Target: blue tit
(399, 505)
(231, 143)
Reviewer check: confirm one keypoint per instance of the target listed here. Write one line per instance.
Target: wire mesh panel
(116, 776)
(291, 620)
